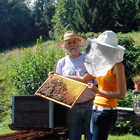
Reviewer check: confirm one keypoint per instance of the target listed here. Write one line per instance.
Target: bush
(129, 100)
(124, 129)
(32, 70)
(131, 57)
(88, 34)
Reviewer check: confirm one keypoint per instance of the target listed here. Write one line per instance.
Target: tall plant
(32, 70)
(61, 19)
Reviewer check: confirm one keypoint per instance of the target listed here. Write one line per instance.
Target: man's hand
(52, 72)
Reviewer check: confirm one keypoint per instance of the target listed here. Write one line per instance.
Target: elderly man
(73, 65)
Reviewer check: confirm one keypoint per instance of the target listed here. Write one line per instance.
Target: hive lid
(61, 90)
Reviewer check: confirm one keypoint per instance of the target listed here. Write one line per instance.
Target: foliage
(64, 10)
(88, 34)
(106, 15)
(129, 100)
(126, 10)
(135, 77)
(119, 129)
(15, 29)
(37, 14)
(82, 19)
(131, 57)
(48, 13)
(42, 13)
(51, 18)
(32, 70)
(98, 17)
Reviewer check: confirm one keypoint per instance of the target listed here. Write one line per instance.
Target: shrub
(32, 70)
(88, 34)
(131, 57)
(129, 100)
(119, 129)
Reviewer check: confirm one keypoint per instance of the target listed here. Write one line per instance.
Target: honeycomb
(57, 90)
(61, 90)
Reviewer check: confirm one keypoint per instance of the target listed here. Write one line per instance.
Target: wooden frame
(74, 90)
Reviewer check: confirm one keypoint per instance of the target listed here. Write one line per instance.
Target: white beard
(73, 53)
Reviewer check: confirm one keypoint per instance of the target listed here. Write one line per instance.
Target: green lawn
(5, 119)
(124, 137)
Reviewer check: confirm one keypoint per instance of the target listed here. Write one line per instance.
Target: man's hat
(70, 35)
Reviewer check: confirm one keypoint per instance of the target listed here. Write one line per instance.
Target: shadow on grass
(19, 46)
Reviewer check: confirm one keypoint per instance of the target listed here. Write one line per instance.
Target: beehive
(33, 112)
(61, 90)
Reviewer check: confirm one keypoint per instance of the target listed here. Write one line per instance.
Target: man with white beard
(73, 65)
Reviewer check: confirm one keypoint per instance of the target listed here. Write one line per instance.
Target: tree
(95, 16)
(128, 15)
(83, 18)
(61, 19)
(23, 27)
(98, 15)
(48, 13)
(15, 22)
(38, 10)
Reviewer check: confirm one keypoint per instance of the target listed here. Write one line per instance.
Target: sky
(32, 1)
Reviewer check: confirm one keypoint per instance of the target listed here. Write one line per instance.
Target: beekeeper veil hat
(102, 54)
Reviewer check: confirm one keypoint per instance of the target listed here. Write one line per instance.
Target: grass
(124, 137)
(136, 37)
(5, 119)
(7, 90)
